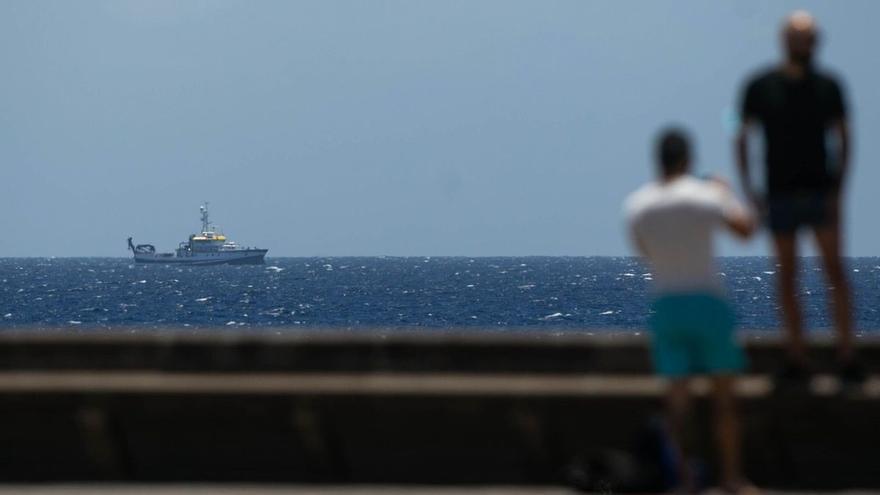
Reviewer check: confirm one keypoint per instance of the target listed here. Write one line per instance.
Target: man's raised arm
(742, 162)
(840, 129)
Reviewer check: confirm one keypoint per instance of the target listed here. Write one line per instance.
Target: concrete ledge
(422, 384)
(363, 384)
(381, 409)
(400, 351)
(239, 489)
(252, 489)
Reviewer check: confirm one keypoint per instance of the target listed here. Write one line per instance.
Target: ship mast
(205, 223)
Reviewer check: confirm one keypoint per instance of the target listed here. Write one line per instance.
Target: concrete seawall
(393, 408)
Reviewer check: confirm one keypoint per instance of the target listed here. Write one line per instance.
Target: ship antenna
(205, 223)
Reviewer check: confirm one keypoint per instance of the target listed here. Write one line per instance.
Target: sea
(389, 294)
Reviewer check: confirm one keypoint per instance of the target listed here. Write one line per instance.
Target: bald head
(800, 33)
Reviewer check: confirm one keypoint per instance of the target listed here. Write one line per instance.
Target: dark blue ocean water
(486, 294)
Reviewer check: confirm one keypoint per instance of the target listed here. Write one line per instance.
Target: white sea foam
(550, 317)
(609, 312)
(203, 299)
(274, 268)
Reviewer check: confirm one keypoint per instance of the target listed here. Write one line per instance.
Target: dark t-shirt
(795, 115)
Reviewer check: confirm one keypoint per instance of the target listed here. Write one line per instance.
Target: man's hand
(757, 203)
(755, 200)
(741, 223)
(719, 181)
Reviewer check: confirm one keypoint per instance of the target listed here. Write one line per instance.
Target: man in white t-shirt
(672, 222)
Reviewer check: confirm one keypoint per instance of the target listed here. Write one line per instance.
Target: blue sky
(376, 127)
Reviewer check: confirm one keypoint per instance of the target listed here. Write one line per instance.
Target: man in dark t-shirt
(796, 113)
(803, 117)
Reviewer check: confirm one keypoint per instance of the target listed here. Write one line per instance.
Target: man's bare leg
(786, 255)
(727, 431)
(678, 409)
(828, 239)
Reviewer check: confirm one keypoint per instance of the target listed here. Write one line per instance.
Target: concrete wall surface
(442, 409)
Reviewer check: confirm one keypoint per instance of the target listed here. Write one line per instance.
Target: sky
(400, 128)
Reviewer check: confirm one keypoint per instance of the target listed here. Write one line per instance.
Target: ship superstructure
(208, 247)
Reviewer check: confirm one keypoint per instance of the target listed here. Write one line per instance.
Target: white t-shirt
(674, 222)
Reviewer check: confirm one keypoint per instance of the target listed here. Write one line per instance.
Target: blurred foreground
(300, 490)
(451, 409)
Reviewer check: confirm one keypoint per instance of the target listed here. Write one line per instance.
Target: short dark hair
(673, 150)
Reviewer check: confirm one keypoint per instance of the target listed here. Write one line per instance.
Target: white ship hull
(239, 257)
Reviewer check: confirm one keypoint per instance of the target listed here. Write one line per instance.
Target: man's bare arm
(742, 224)
(841, 129)
(742, 160)
(737, 217)
(638, 243)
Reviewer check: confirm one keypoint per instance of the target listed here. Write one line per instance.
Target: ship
(208, 247)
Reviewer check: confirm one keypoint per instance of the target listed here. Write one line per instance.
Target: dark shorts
(786, 214)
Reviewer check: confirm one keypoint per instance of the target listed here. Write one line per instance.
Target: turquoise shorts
(693, 334)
